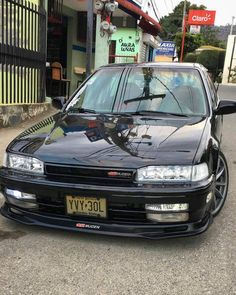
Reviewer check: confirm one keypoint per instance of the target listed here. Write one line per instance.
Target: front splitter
(150, 231)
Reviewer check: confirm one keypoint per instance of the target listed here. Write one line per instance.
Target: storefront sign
(201, 17)
(195, 29)
(166, 51)
(127, 47)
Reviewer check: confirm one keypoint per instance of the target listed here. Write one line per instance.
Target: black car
(136, 151)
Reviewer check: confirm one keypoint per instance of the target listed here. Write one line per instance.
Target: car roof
(159, 65)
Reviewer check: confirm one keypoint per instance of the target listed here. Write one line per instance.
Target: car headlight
(160, 174)
(24, 163)
(4, 160)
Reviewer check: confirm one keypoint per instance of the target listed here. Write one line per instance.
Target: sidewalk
(9, 133)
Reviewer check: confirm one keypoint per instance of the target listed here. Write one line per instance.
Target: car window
(213, 92)
(177, 91)
(99, 93)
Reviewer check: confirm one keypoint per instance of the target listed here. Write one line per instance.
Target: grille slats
(79, 174)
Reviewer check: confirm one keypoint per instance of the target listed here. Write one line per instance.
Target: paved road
(44, 261)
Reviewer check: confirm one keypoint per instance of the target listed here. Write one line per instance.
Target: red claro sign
(201, 17)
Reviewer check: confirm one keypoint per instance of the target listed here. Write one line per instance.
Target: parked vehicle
(136, 151)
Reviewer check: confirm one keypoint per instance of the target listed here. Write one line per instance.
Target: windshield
(145, 89)
(99, 93)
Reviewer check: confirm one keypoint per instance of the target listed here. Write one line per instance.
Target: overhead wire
(155, 9)
(167, 8)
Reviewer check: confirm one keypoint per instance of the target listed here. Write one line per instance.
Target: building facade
(36, 34)
(229, 73)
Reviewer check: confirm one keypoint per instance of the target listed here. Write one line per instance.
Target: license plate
(94, 207)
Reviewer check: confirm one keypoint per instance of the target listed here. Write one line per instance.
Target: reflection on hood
(103, 139)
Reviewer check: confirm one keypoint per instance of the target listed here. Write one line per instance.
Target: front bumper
(143, 231)
(199, 211)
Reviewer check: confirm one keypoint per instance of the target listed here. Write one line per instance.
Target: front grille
(118, 211)
(80, 174)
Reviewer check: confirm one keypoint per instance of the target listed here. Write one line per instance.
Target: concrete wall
(76, 51)
(13, 115)
(229, 55)
(101, 46)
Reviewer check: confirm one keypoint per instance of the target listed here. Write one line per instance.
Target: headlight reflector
(159, 174)
(24, 163)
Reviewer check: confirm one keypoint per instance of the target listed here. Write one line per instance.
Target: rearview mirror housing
(58, 102)
(226, 107)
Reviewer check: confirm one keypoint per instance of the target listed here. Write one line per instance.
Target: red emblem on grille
(113, 173)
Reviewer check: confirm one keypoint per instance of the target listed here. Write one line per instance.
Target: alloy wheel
(222, 183)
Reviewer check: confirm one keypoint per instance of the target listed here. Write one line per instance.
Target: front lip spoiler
(148, 231)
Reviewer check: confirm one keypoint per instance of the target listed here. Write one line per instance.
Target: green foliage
(172, 23)
(233, 75)
(172, 28)
(209, 35)
(209, 59)
(213, 60)
(192, 42)
(190, 57)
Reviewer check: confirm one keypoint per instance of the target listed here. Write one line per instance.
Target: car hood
(112, 141)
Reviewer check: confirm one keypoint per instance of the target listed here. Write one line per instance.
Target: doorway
(56, 52)
(57, 42)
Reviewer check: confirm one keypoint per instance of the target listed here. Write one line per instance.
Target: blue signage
(166, 48)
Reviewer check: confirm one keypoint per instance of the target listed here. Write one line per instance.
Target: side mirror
(58, 102)
(226, 107)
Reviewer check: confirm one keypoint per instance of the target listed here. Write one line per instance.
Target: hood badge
(119, 174)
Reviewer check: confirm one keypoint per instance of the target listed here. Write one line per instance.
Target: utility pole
(184, 15)
(184, 23)
(89, 40)
(232, 25)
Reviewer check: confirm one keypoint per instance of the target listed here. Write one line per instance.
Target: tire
(222, 184)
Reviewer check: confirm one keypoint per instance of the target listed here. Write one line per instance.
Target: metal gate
(143, 56)
(22, 52)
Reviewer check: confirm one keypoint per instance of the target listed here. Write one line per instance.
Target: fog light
(168, 217)
(167, 207)
(209, 197)
(20, 195)
(22, 204)
(21, 199)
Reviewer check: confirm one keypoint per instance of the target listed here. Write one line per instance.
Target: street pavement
(38, 261)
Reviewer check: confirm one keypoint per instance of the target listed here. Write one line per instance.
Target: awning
(147, 23)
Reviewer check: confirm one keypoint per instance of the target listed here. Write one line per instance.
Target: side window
(214, 96)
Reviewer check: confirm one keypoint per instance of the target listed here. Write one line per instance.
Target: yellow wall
(26, 75)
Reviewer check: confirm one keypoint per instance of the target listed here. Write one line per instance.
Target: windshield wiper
(147, 112)
(144, 98)
(170, 93)
(82, 110)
